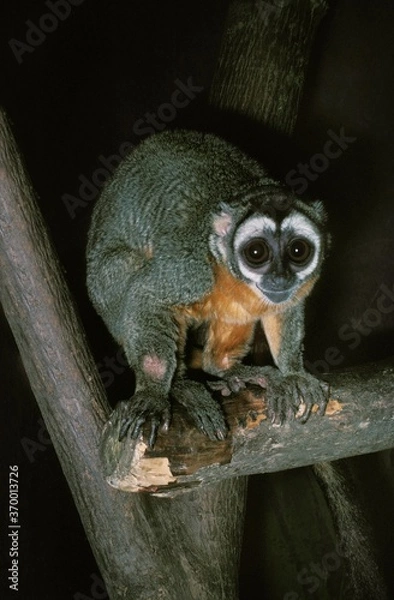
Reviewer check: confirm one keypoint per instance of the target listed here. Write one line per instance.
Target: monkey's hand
(203, 409)
(288, 396)
(146, 406)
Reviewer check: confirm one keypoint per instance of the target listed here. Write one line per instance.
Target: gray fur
(172, 209)
(151, 246)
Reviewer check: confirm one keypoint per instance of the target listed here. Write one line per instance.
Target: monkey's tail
(352, 528)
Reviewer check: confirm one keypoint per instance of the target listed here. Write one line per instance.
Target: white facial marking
(301, 226)
(294, 226)
(256, 226)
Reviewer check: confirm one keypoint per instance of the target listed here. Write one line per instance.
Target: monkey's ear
(222, 221)
(221, 225)
(319, 211)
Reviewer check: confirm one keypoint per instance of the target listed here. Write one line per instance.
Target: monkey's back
(158, 209)
(175, 180)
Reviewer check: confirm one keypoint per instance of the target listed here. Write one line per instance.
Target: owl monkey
(191, 232)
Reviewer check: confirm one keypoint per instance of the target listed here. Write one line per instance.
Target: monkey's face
(279, 259)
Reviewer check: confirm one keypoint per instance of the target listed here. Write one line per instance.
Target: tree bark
(358, 420)
(145, 547)
(263, 60)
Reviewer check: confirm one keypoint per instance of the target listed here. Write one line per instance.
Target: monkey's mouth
(278, 296)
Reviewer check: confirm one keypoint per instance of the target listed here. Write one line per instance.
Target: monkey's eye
(256, 252)
(299, 251)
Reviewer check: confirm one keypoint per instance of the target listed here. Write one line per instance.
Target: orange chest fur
(231, 300)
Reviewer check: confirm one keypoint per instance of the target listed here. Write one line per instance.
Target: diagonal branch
(122, 529)
(146, 547)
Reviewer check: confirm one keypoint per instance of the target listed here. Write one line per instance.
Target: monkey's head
(273, 241)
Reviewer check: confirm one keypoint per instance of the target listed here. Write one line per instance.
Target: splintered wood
(183, 455)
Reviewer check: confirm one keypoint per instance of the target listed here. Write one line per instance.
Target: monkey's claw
(293, 396)
(202, 408)
(288, 396)
(235, 383)
(144, 407)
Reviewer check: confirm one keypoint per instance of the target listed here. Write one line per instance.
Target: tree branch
(261, 40)
(146, 547)
(359, 420)
(135, 539)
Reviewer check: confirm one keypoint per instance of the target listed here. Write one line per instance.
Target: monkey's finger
(236, 384)
(259, 381)
(322, 407)
(165, 421)
(219, 386)
(217, 435)
(277, 419)
(227, 386)
(137, 427)
(154, 426)
(214, 428)
(201, 426)
(165, 425)
(124, 427)
(275, 411)
(305, 412)
(289, 414)
(232, 385)
(221, 434)
(323, 400)
(206, 429)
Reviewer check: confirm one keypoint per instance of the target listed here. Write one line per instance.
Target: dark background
(77, 96)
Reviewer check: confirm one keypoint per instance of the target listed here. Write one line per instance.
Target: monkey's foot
(203, 409)
(146, 406)
(287, 396)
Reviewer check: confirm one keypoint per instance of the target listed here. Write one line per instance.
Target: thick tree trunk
(146, 547)
(263, 60)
